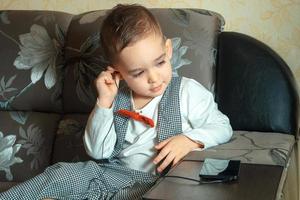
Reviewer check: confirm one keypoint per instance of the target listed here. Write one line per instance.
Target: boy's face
(146, 67)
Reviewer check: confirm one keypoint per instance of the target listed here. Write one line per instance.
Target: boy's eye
(138, 74)
(161, 63)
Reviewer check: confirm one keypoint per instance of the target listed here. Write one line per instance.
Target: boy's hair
(125, 25)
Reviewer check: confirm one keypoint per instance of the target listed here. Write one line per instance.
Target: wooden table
(259, 182)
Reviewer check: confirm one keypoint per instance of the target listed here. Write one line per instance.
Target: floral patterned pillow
(32, 44)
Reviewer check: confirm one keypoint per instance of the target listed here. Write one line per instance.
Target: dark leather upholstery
(254, 86)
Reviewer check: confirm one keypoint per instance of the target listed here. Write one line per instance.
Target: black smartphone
(220, 169)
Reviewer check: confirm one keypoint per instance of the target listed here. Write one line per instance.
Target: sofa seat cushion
(68, 145)
(6, 185)
(26, 140)
(252, 147)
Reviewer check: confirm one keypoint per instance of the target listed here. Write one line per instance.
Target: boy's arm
(99, 136)
(203, 125)
(209, 126)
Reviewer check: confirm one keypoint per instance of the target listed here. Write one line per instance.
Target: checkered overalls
(106, 179)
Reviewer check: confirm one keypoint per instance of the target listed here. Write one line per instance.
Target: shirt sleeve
(100, 137)
(206, 123)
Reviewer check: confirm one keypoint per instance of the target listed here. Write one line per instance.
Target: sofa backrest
(30, 54)
(50, 59)
(193, 32)
(255, 88)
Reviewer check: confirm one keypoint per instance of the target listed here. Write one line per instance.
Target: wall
(275, 22)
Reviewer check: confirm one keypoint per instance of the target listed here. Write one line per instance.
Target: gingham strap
(169, 118)
(120, 122)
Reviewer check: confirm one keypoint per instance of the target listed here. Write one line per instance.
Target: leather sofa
(49, 61)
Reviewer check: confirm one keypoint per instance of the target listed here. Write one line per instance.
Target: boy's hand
(173, 150)
(107, 84)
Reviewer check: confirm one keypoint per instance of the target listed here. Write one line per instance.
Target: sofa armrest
(254, 86)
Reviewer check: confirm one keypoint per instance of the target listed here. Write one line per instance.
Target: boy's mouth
(156, 89)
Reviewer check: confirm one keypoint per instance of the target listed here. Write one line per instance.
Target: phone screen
(220, 169)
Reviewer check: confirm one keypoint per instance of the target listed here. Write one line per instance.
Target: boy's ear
(118, 72)
(169, 49)
(120, 75)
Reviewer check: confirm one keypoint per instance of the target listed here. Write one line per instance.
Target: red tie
(136, 116)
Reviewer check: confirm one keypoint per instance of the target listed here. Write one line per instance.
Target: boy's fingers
(109, 68)
(107, 77)
(108, 80)
(114, 74)
(175, 161)
(162, 144)
(162, 154)
(165, 163)
(159, 157)
(110, 71)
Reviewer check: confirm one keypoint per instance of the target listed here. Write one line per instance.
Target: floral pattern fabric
(25, 149)
(8, 152)
(31, 72)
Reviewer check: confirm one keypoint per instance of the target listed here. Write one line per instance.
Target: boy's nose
(153, 77)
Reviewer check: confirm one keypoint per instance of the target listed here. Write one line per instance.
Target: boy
(140, 55)
(176, 116)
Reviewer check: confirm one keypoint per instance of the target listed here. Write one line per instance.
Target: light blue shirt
(201, 122)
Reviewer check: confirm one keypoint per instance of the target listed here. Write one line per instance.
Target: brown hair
(125, 25)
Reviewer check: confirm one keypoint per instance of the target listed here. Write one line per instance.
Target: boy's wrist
(104, 103)
(196, 144)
